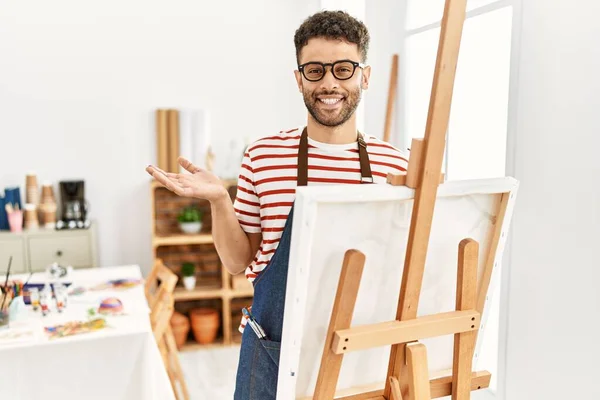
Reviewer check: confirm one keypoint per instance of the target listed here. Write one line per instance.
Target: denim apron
(258, 366)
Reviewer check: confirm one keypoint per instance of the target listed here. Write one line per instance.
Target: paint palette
(111, 306)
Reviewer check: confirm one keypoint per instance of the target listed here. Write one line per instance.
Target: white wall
(554, 297)
(79, 82)
(385, 20)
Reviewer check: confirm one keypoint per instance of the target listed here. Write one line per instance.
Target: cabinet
(13, 245)
(215, 287)
(33, 251)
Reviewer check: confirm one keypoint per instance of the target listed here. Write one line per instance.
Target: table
(121, 361)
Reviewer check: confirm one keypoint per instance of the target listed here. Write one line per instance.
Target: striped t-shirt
(267, 181)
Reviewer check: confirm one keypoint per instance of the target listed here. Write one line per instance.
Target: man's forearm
(231, 241)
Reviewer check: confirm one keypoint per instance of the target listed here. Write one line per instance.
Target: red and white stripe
(267, 182)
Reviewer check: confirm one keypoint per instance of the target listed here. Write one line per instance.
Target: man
(253, 234)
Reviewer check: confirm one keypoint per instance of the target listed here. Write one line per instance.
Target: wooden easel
(408, 374)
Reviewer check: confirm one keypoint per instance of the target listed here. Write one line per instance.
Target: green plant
(190, 214)
(188, 269)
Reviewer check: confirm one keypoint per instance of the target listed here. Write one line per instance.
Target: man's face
(332, 101)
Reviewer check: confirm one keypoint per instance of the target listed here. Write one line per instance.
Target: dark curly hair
(333, 25)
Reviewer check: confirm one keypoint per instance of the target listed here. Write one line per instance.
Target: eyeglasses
(342, 70)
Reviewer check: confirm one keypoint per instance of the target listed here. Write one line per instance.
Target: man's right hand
(198, 183)
(235, 247)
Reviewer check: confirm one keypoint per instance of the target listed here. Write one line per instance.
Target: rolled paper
(186, 135)
(162, 146)
(173, 122)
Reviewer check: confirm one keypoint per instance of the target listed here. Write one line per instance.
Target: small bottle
(34, 296)
(60, 293)
(45, 297)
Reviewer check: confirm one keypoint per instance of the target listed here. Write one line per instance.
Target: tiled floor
(210, 374)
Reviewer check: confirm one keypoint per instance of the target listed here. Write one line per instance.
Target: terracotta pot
(180, 324)
(205, 324)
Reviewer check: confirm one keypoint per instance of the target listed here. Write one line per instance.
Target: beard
(332, 118)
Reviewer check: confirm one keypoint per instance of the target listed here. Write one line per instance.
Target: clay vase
(180, 325)
(205, 324)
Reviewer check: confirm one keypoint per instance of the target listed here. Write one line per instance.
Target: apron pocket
(264, 371)
(273, 349)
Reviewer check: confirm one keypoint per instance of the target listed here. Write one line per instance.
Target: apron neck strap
(363, 157)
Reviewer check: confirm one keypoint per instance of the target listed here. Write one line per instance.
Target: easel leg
(402, 373)
(341, 318)
(395, 385)
(418, 372)
(466, 296)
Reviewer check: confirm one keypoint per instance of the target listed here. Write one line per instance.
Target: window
(477, 130)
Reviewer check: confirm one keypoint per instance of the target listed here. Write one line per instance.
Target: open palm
(198, 183)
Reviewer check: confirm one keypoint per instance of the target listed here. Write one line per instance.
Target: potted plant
(188, 271)
(190, 219)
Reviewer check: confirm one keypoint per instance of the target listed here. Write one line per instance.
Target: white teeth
(330, 101)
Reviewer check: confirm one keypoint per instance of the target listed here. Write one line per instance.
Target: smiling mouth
(331, 101)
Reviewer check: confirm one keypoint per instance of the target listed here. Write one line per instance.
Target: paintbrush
(28, 278)
(6, 283)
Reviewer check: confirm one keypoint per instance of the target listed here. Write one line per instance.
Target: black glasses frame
(332, 65)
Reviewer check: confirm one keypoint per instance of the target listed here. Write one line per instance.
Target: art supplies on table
(5, 288)
(17, 310)
(111, 306)
(39, 287)
(118, 284)
(57, 271)
(75, 328)
(4, 319)
(77, 291)
(34, 298)
(60, 297)
(45, 298)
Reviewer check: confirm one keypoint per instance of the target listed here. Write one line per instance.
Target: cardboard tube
(173, 121)
(162, 146)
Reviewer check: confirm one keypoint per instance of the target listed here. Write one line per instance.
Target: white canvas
(375, 219)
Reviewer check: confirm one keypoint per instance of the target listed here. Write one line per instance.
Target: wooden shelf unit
(182, 294)
(173, 240)
(175, 247)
